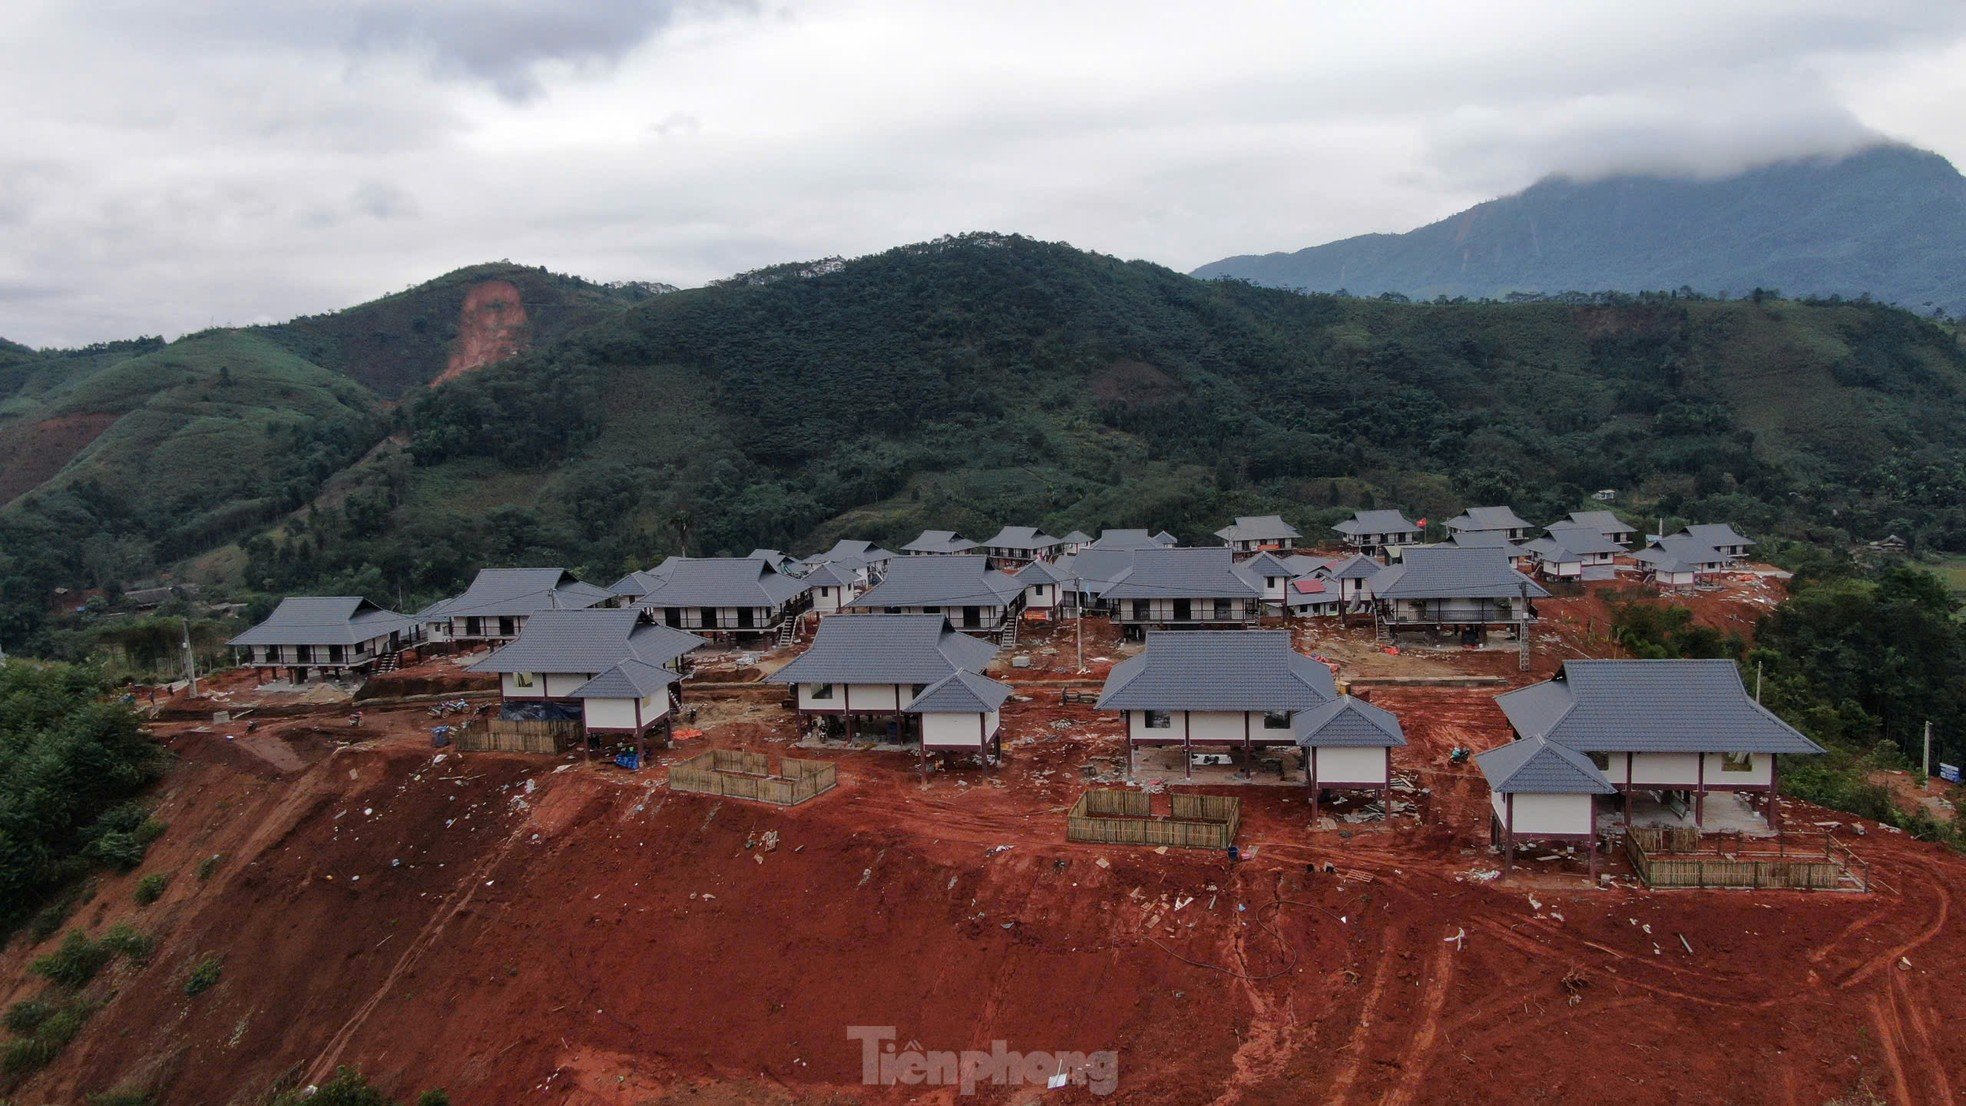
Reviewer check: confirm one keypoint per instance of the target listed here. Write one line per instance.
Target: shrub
(151, 888)
(347, 1088)
(75, 962)
(27, 1015)
(54, 1027)
(125, 940)
(204, 974)
(209, 865)
(434, 1097)
(122, 1098)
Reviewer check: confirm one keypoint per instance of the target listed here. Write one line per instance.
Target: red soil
(31, 452)
(491, 327)
(521, 928)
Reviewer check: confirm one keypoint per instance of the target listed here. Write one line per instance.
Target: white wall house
(906, 676)
(1232, 689)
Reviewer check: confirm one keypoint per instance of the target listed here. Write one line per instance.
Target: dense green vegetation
(1857, 658)
(71, 768)
(987, 379)
(1888, 222)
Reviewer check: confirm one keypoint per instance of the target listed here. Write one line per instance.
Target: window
(1222, 608)
(1142, 610)
(1276, 719)
(822, 691)
(522, 679)
(915, 690)
(1737, 762)
(1159, 720)
(1602, 760)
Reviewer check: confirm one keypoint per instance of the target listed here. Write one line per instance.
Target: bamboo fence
(1670, 856)
(735, 774)
(1108, 816)
(499, 736)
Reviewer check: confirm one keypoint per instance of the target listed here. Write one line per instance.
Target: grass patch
(204, 974)
(75, 962)
(151, 888)
(54, 1028)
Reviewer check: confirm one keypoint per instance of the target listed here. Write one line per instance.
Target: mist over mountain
(1888, 221)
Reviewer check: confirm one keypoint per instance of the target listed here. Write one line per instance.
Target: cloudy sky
(166, 167)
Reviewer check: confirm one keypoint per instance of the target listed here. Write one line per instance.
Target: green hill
(1888, 222)
(988, 379)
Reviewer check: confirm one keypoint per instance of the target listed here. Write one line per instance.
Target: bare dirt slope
(31, 452)
(491, 326)
(538, 929)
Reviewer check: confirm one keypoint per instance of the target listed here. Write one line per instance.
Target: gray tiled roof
(956, 580)
(326, 620)
(1095, 568)
(1485, 539)
(1268, 564)
(1584, 540)
(1346, 722)
(1645, 706)
(1076, 537)
(1038, 572)
(1258, 528)
(1228, 670)
(591, 640)
(1715, 534)
(1125, 540)
(723, 582)
(1487, 518)
(960, 692)
(502, 592)
(1356, 567)
(1166, 539)
(630, 679)
(829, 575)
(1551, 551)
(1201, 573)
(884, 649)
(1452, 572)
(1680, 553)
(1376, 522)
(1021, 537)
(852, 551)
(1604, 522)
(939, 541)
(642, 581)
(1536, 766)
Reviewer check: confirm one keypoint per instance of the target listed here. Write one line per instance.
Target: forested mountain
(1888, 222)
(970, 382)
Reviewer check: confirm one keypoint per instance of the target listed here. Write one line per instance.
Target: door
(972, 617)
(708, 616)
(672, 616)
(746, 618)
(1184, 610)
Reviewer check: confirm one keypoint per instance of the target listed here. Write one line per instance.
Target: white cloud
(167, 168)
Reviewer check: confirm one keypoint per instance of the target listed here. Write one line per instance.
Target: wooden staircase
(1008, 637)
(388, 662)
(788, 631)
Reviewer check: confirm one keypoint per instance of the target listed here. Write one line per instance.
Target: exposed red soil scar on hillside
(491, 326)
(31, 452)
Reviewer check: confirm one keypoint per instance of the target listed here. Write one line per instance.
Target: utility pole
(1928, 748)
(1078, 614)
(1757, 681)
(190, 660)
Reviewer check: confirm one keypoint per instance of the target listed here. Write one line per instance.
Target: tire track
(1440, 975)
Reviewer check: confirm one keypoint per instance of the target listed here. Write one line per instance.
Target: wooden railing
(1109, 816)
(1677, 856)
(736, 774)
